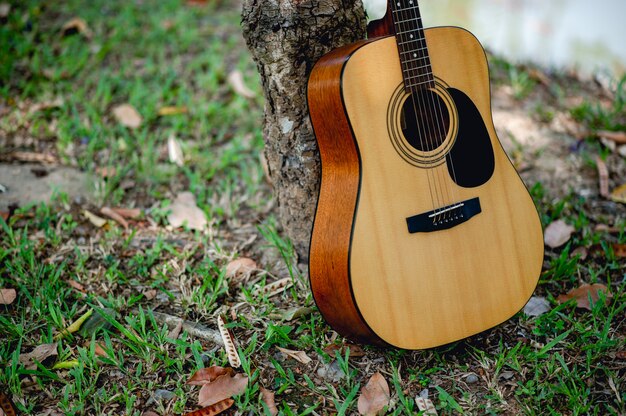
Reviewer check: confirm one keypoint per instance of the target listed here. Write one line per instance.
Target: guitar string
(424, 88)
(399, 18)
(423, 106)
(438, 119)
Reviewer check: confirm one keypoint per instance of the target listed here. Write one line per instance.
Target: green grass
(153, 54)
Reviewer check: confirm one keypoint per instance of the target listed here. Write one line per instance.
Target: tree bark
(286, 38)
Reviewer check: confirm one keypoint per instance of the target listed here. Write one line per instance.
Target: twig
(193, 328)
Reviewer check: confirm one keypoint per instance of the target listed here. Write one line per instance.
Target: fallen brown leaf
(38, 354)
(5, 9)
(106, 171)
(6, 406)
(100, 351)
(240, 269)
(584, 294)
(557, 233)
(94, 219)
(619, 194)
(184, 211)
(5, 215)
(46, 105)
(603, 174)
(207, 375)
(615, 136)
(214, 409)
(275, 288)
(299, 356)
(222, 388)
(114, 216)
(229, 342)
(175, 332)
(374, 396)
(268, 398)
(619, 250)
(76, 285)
(126, 115)
(128, 213)
(424, 404)
(30, 157)
(7, 296)
(235, 79)
(355, 350)
(77, 25)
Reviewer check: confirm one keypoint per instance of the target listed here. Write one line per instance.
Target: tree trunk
(286, 38)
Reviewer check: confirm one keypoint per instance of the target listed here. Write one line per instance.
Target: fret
(414, 51)
(417, 68)
(412, 19)
(408, 78)
(411, 43)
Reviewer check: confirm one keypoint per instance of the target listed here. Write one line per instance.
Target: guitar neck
(412, 48)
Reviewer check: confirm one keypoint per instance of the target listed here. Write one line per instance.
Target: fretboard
(414, 60)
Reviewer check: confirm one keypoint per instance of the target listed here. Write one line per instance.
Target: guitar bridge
(444, 218)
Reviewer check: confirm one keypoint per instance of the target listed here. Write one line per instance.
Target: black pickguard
(471, 160)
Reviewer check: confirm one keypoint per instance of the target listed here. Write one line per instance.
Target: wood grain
(421, 290)
(330, 240)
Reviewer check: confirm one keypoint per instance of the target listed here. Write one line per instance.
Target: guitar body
(416, 245)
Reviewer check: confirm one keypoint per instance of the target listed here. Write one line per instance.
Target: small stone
(471, 379)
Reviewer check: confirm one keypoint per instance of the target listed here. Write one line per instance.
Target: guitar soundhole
(424, 120)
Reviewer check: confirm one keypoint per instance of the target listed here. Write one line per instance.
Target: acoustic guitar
(424, 233)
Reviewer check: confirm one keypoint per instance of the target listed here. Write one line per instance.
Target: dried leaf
(150, 413)
(126, 115)
(214, 409)
(100, 351)
(94, 219)
(374, 396)
(5, 9)
(557, 233)
(77, 25)
(76, 285)
(619, 194)
(174, 151)
(175, 332)
(222, 388)
(537, 306)
(7, 296)
(584, 294)
(32, 157)
(39, 354)
(75, 326)
(128, 213)
(275, 288)
(46, 105)
(603, 174)
(114, 216)
(354, 350)
(240, 269)
(424, 404)
(106, 171)
(299, 356)
(615, 136)
(235, 79)
(206, 375)
(229, 343)
(186, 212)
(268, 398)
(171, 111)
(6, 405)
(619, 250)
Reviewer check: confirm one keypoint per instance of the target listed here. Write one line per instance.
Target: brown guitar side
(330, 240)
(381, 27)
